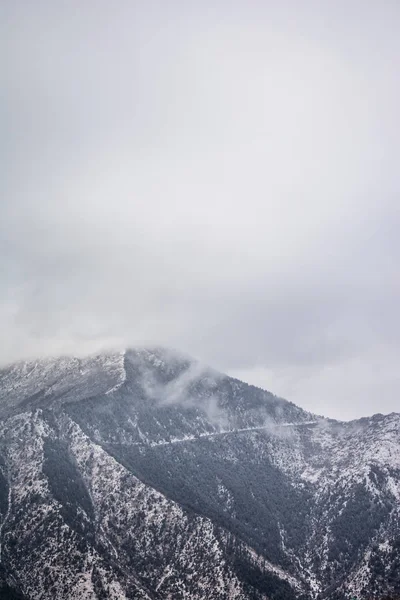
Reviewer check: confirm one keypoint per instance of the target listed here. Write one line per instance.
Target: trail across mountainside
(269, 427)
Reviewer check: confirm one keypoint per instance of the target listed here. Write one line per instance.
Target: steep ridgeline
(144, 475)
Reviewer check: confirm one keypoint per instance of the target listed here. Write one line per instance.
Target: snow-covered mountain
(143, 474)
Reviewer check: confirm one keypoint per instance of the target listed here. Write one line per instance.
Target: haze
(219, 177)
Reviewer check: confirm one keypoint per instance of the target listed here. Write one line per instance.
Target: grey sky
(220, 176)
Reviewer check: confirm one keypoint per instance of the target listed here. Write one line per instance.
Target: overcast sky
(219, 176)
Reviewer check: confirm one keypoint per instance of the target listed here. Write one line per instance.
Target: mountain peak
(143, 473)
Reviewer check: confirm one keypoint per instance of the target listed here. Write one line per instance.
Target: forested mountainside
(143, 474)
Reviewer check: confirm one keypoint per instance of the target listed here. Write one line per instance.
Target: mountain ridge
(293, 504)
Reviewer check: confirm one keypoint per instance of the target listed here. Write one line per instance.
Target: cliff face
(142, 474)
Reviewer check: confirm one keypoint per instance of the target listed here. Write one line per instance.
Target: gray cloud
(220, 177)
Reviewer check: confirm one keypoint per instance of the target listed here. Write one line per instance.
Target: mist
(220, 178)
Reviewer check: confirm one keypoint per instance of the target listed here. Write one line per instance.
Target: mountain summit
(144, 474)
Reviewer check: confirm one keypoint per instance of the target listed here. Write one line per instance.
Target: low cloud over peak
(217, 179)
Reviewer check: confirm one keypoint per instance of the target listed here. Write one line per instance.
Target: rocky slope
(142, 474)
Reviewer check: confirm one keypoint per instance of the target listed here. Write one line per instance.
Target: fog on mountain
(199, 292)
